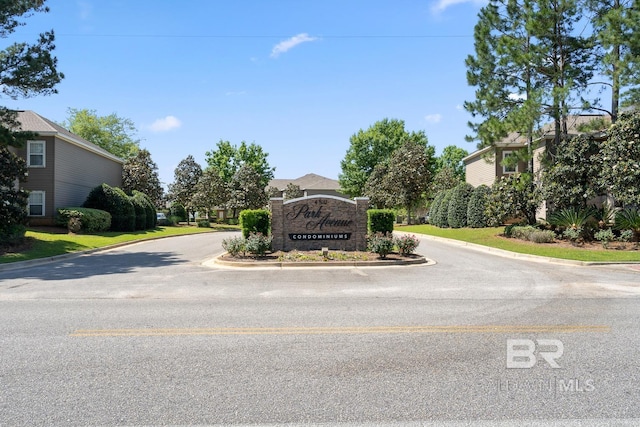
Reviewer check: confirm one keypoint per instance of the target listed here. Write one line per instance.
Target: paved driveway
(149, 334)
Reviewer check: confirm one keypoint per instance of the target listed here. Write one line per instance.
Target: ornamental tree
(140, 173)
(620, 173)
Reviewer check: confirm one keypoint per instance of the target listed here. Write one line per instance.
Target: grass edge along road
(44, 243)
(491, 237)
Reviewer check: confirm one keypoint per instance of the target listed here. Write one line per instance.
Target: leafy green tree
(571, 180)
(186, 177)
(371, 147)
(376, 187)
(246, 190)
(616, 25)
(228, 159)
(210, 193)
(444, 179)
(451, 158)
(292, 191)
(530, 62)
(115, 134)
(620, 172)
(140, 173)
(409, 175)
(26, 70)
(513, 196)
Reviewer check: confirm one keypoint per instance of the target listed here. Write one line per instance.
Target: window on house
(36, 154)
(36, 203)
(509, 165)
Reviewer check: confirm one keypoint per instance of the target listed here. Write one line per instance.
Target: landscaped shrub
(141, 212)
(117, 203)
(406, 244)
(258, 244)
(458, 205)
(542, 236)
(573, 221)
(254, 221)
(149, 207)
(380, 220)
(203, 223)
(380, 243)
(604, 237)
(513, 196)
(629, 219)
(522, 232)
(435, 207)
(234, 245)
(83, 219)
(476, 216)
(442, 216)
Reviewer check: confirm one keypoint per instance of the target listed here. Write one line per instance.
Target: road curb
(509, 254)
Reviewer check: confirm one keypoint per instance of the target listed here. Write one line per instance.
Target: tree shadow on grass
(97, 264)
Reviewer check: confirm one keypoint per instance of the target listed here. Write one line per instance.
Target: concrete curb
(509, 254)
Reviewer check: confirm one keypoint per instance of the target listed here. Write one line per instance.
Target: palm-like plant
(571, 217)
(629, 219)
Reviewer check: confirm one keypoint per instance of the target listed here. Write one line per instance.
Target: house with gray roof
(310, 184)
(62, 168)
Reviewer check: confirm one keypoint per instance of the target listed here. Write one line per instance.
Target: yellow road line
(446, 329)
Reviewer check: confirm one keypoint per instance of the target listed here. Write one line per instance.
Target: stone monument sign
(318, 221)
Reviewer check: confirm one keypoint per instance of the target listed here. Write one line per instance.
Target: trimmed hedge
(476, 211)
(380, 221)
(435, 207)
(441, 217)
(117, 203)
(149, 209)
(255, 221)
(91, 220)
(458, 205)
(141, 213)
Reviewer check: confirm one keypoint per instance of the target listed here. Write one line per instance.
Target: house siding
(480, 171)
(41, 179)
(78, 171)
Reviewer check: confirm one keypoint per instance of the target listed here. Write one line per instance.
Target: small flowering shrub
(258, 244)
(542, 236)
(381, 244)
(406, 244)
(604, 237)
(234, 245)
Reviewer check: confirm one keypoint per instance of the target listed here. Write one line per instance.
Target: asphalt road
(151, 334)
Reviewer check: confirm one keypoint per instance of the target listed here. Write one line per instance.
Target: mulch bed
(316, 256)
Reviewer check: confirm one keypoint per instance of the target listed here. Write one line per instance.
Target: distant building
(310, 184)
(62, 168)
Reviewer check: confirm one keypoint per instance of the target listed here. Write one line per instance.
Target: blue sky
(297, 77)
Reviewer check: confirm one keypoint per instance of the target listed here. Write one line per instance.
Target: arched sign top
(320, 196)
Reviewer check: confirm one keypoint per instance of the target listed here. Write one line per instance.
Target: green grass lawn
(491, 237)
(55, 241)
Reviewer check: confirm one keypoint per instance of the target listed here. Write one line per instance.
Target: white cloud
(166, 124)
(433, 118)
(442, 5)
(518, 96)
(460, 107)
(288, 44)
